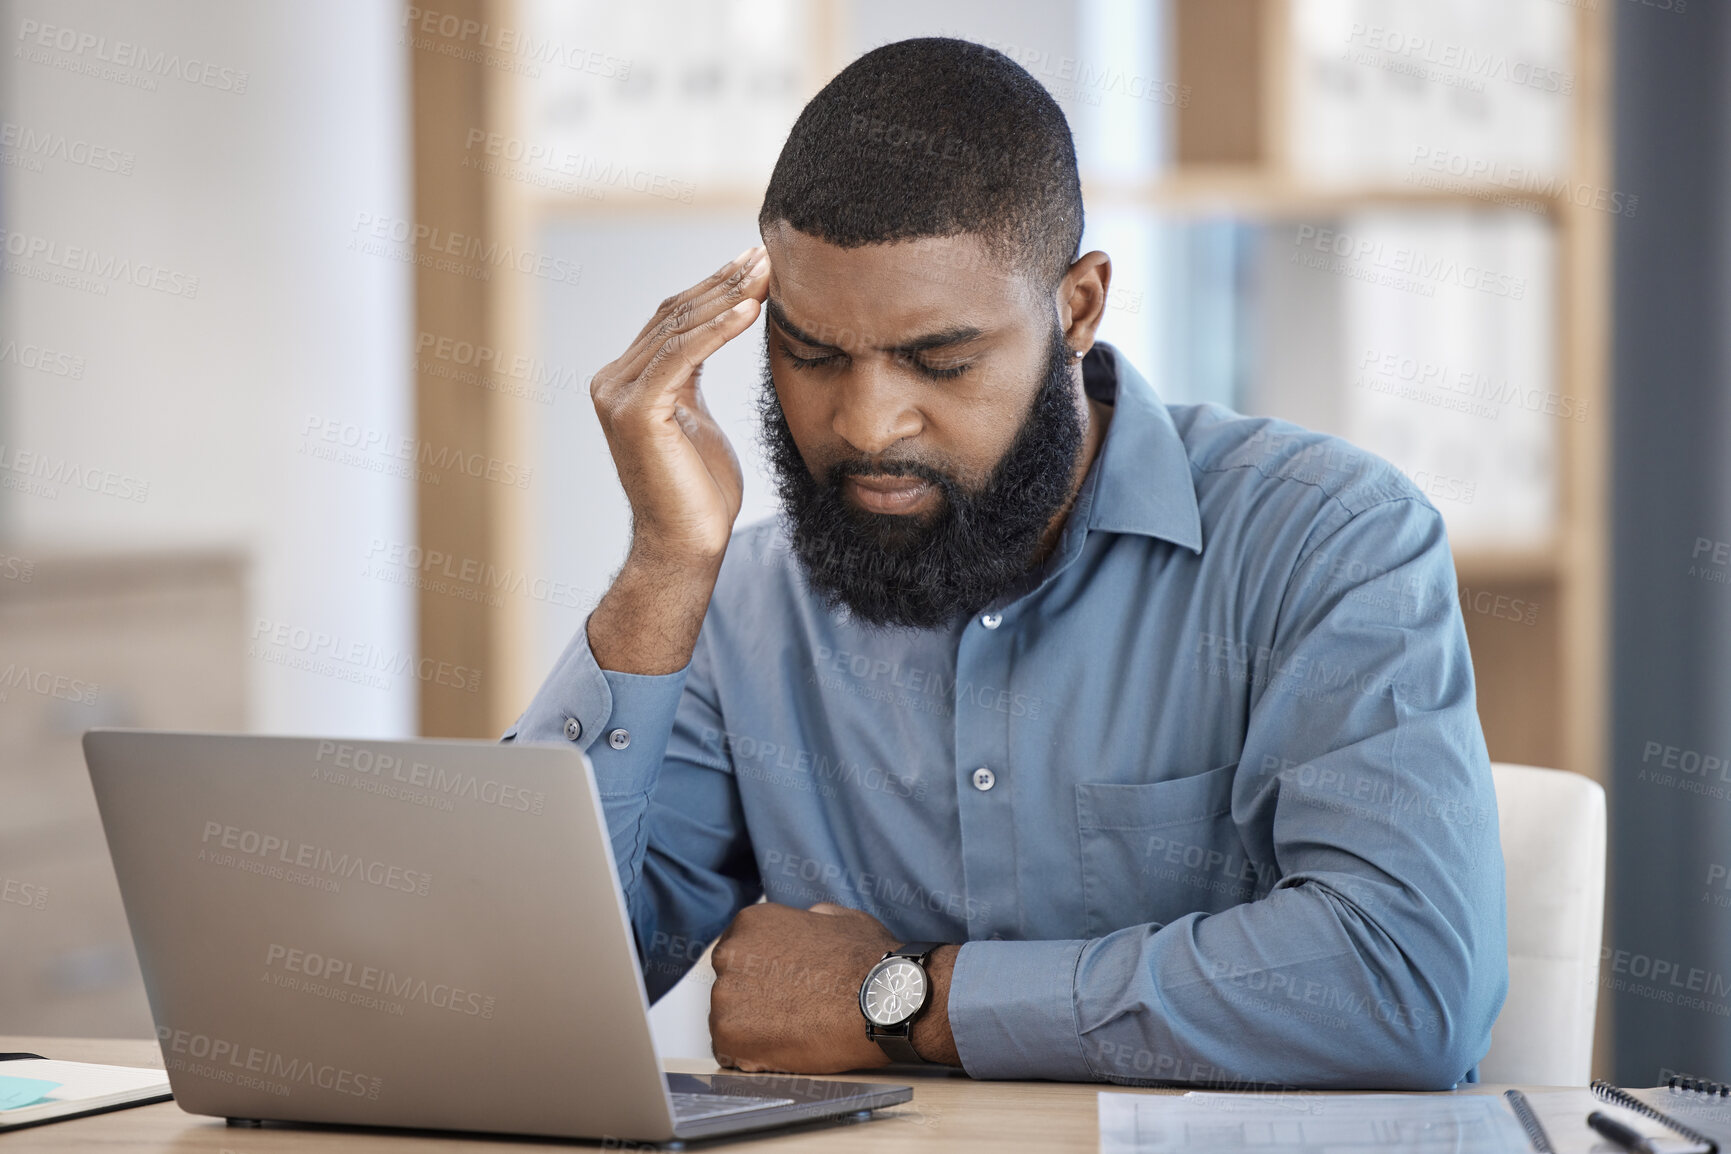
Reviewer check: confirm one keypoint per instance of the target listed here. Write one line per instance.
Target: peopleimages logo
(380, 451)
(374, 980)
(372, 230)
(45, 683)
(123, 54)
(42, 474)
(43, 360)
(578, 173)
(1463, 64)
(230, 1062)
(511, 45)
(487, 367)
(23, 893)
(1412, 267)
(88, 269)
(265, 849)
(314, 650)
(39, 144)
(368, 765)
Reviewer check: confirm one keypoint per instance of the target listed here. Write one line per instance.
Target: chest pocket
(1155, 851)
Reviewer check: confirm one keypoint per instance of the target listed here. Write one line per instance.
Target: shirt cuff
(1013, 1010)
(622, 720)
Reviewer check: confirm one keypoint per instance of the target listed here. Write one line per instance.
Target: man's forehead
(896, 292)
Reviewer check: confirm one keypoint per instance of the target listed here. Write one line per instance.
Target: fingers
(702, 287)
(663, 375)
(748, 276)
(668, 370)
(748, 286)
(698, 289)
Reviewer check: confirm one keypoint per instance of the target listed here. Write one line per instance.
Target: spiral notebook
(35, 1090)
(1702, 1105)
(1675, 1120)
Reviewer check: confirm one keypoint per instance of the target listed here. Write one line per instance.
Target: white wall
(250, 184)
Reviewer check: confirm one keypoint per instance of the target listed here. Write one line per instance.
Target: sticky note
(16, 1092)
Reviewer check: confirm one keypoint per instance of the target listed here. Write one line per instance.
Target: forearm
(1301, 988)
(648, 621)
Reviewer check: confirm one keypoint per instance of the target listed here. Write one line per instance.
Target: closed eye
(949, 372)
(935, 372)
(800, 362)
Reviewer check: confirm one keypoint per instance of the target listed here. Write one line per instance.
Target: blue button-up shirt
(1206, 798)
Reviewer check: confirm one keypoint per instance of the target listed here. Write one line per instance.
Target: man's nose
(874, 410)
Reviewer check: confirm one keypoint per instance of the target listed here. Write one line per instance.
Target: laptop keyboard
(697, 1107)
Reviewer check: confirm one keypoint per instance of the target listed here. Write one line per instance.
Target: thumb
(829, 908)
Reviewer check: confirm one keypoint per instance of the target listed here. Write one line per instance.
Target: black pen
(1624, 1136)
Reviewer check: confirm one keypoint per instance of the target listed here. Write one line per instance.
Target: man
(1151, 726)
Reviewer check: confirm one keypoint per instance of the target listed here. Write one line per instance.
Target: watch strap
(899, 1047)
(916, 952)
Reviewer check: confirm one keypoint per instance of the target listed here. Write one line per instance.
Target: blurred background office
(299, 305)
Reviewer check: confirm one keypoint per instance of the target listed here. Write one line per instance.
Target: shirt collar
(1143, 483)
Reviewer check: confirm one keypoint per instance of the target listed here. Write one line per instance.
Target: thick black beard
(923, 572)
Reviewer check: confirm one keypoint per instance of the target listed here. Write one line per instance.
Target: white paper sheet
(1308, 1123)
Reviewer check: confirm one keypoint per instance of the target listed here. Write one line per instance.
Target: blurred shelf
(1229, 190)
(59, 574)
(1246, 190)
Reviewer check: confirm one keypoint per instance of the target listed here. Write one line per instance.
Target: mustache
(840, 471)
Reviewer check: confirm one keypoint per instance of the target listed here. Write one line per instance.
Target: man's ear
(1081, 298)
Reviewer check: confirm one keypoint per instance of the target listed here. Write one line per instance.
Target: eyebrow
(943, 338)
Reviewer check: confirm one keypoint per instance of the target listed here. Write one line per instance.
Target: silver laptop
(423, 934)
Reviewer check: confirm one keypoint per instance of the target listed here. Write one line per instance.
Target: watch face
(894, 992)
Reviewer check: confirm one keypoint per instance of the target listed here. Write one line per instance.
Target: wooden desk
(948, 1113)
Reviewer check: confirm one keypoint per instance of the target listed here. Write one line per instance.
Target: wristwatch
(892, 996)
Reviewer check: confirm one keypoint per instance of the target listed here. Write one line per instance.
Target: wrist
(649, 619)
(927, 1034)
(930, 1034)
(653, 558)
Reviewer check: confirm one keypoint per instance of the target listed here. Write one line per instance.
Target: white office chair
(1553, 834)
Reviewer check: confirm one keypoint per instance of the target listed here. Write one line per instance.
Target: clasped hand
(787, 984)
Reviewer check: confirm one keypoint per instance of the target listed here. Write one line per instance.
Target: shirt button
(992, 620)
(984, 779)
(573, 729)
(619, 738)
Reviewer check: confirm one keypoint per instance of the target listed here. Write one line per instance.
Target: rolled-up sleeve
(1375, 952)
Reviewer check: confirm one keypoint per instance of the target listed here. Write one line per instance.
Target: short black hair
(934, 137)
